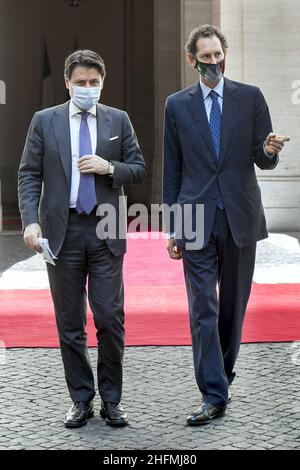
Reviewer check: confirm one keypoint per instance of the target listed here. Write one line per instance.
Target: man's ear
(191, 60)
(67, 83)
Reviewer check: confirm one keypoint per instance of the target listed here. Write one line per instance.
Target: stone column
(193, 14)
(167, 76)
(139, 97)
(264, 50)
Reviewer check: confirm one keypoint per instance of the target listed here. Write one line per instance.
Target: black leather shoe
(229, 398)
(78, 415)
(205, 414)
(113, 413)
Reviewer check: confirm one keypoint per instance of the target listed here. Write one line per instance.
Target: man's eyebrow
(211, 53)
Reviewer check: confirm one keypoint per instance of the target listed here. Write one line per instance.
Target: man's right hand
(31, 234)
(174, 250)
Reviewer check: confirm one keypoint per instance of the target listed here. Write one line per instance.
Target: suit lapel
(61, 128)
(229, 113)
(103, 130)
(197, 108)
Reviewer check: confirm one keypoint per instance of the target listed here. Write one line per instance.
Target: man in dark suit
(215, 132)
(77, 157)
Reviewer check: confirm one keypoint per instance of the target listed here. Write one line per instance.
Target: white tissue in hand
(46, 253)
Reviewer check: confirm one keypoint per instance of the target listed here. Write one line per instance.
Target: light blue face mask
(84, 98)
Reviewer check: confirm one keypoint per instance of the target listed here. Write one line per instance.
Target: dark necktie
(86, 199)
(215, 123)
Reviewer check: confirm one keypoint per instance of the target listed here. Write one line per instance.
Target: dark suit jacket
(193, 174)
(45, 170)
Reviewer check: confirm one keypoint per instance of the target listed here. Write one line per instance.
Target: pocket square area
(114, 138)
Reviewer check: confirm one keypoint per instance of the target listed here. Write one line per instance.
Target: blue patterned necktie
(215, 123)
(86, 199)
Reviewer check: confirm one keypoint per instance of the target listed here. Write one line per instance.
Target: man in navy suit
(215, 132)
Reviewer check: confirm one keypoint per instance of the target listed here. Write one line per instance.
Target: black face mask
(211, 72)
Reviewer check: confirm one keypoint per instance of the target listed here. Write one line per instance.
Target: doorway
(121, 31)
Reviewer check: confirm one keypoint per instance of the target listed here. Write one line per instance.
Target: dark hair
(204, 31)
(84, 58)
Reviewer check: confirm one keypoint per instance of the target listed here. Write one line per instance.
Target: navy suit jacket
(192, 174)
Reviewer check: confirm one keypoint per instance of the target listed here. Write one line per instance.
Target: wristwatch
(111, 168)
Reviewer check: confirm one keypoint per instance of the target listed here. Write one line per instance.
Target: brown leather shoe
(205, 414)
(78, 414)
(113, 413)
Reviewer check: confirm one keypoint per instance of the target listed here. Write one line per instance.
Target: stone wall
(264, 50)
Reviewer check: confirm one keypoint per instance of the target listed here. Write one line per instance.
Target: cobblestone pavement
(159, 392)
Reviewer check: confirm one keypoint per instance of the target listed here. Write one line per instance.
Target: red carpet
(156, 307)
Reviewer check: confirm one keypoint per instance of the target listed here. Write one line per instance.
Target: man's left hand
(93, 164)
(275, 143)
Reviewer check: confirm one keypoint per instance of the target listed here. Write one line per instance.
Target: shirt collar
(73, 110)
(219, 88)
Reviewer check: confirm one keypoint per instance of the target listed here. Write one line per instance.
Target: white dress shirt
(219, 88)
(75, 120)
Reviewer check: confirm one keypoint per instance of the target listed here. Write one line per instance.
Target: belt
(72, 210)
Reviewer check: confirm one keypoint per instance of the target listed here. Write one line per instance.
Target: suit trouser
(216, 319)
(85, 258)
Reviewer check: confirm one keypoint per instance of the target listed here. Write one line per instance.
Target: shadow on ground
(12, 250)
